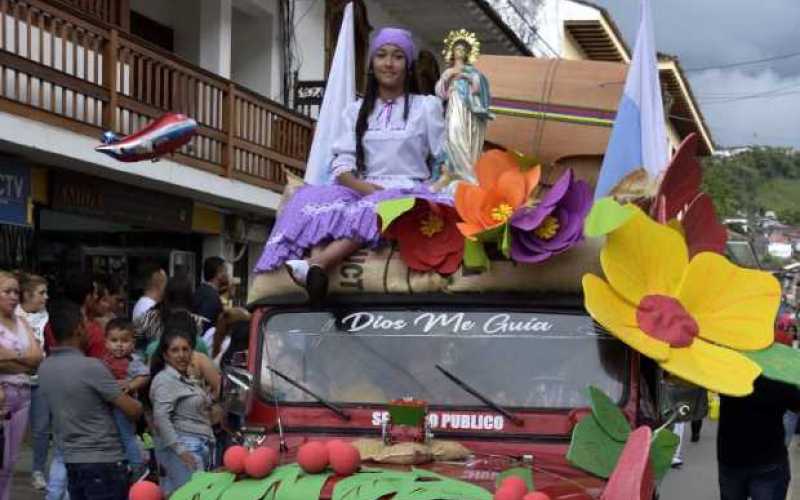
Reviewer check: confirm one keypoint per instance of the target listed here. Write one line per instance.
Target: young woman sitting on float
(388, 149)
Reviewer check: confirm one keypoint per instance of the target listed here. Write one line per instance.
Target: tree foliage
(755, 181)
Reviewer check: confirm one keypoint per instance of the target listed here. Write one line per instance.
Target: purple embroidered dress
(398, 155)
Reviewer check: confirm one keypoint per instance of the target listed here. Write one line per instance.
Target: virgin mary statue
(466, 92)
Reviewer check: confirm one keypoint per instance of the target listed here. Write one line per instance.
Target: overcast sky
(749, 104)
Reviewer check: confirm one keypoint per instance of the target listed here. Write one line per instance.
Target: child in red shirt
(132, 375)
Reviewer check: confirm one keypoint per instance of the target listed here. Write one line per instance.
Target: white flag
(639, 136)
(340, 91)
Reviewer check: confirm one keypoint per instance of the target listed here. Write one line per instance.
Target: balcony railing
(114, 12)
(63, 69)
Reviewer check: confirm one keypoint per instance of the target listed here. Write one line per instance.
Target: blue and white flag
(639, 136)
(340, 91)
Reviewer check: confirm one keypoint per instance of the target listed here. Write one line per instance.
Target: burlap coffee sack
(562, 273)
(366, 271)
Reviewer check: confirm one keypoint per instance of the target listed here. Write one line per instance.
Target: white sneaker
(38, 481)
(298, 270)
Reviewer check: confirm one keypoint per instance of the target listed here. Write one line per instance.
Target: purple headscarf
(394, 36)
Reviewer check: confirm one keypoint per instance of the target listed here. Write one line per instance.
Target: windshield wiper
(488, 402)
(332, 407)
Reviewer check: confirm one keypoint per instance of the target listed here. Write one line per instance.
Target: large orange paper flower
(691, 316)
(502, 188)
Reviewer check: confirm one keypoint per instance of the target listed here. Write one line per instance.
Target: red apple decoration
(313, 457)
(509, 492)
(536, 495)
(145, 490)
(517, 483)
(234, 459)
(344, 457)
(260, 462)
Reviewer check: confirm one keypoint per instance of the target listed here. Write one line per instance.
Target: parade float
(509, 344)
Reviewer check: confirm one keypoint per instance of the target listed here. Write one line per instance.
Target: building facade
(74, 69)
(252, 74)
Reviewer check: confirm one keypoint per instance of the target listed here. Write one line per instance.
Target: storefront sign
(15, 190)
(121, 203)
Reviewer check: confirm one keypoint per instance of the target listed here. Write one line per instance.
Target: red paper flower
(428, 237)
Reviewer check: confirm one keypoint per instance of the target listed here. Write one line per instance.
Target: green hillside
(754, 182)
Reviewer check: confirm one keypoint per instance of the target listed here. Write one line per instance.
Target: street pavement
(696, 480)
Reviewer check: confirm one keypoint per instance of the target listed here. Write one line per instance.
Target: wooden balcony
(76, 71)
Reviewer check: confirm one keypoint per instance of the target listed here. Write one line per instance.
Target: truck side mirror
(679, 400)
(236, 389)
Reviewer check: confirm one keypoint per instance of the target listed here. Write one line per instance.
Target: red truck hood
(552, 474)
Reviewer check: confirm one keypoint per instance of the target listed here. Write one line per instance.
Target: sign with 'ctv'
(15, 190)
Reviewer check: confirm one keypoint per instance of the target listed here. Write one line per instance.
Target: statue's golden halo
(465, 36)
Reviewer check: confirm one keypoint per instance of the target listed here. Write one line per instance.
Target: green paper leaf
(662, 449)
(206, 485)
(504, 244)
(249, 488)
(389, 210)
(525, 162)
(778, 362)
(302, 486)
(592, 449)
(606, 216)
(608, 415)
(490, 235)
(475, 257)
(257, 488)
(417, 484)
(523, 473)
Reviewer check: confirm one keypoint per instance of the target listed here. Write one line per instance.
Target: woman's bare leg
(311, 273)
(334, 254)
(327, 259)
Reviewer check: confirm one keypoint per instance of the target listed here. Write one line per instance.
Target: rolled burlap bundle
(411, 453)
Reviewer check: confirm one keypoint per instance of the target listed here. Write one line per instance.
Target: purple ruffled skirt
(317, 215)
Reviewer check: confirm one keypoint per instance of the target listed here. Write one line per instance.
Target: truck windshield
(518, 359)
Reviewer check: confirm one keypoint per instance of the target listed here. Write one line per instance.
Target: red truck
(504, 375)
(502, 359)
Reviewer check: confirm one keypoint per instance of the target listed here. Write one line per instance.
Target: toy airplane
(164, 135)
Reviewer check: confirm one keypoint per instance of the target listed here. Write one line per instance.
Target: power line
(750, 97)
(726, 95)
(534, 30)
(744, 63)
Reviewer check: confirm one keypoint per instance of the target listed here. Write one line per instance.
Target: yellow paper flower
(690, 316)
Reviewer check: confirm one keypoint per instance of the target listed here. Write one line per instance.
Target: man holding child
(84, 422)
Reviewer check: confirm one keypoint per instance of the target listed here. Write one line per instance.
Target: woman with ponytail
(390, 146)
(32, 308)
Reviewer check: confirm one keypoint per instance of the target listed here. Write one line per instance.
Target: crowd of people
(143, 388)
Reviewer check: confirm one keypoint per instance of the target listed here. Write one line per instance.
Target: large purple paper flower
(554, 225)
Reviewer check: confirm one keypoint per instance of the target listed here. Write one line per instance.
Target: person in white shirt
(155, 281)
(218, 338)
(33, 309)
(390, 147)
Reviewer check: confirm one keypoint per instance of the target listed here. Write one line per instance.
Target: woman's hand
(372, 188)
(188, 460)
(451, 73)
(9, 354)
(351, 181)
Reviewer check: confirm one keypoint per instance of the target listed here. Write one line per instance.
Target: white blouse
(396, 152)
